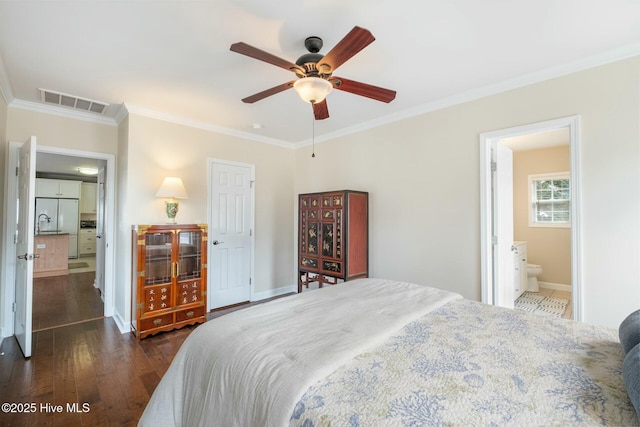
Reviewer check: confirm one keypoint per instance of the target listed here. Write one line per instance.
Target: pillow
(631, 376)
(629, 331)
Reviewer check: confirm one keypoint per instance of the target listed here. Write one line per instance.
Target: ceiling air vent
(65, 100)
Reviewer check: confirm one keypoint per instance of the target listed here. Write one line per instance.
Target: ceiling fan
(315, 71)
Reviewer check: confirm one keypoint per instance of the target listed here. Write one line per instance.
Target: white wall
(422, 175)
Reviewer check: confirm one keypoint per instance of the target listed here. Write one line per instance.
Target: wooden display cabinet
(169, 277)
(333, 238)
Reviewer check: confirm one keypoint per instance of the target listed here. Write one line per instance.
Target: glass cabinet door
(158, 260)
(189, 255)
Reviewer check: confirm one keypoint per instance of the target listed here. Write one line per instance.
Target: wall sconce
(172, 188)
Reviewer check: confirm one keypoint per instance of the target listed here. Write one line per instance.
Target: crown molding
(205, 126)
(5, 88)
(123, 110)
(594, 61)
(62, 112)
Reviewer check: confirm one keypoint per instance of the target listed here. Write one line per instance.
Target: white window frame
(533, 201)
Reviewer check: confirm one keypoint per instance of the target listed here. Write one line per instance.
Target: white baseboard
(122, 325)
(274, 292)
(555, 286)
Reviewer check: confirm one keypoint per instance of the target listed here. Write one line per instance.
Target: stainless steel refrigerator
(59, 216)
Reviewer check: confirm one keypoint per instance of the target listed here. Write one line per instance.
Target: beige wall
(423, 178)
(61, 132)
(546, 246)
(51, 131)
(422, 174)
(3, 150)
(156, 149)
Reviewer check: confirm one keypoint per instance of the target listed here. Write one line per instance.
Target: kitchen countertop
(51, 233)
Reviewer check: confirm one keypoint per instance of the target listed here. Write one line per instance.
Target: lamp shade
(172, 187)
(312, 89)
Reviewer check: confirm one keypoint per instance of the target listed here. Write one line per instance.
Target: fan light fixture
(172, 189)
(312, 89)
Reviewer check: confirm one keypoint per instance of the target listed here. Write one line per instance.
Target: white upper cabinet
(57, 188)
(89, 199)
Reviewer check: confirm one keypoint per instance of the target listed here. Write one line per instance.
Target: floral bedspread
(471, 364)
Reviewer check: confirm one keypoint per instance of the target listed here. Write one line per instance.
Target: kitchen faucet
(46, 218)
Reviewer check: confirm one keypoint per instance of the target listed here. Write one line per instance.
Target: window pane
(551, 200)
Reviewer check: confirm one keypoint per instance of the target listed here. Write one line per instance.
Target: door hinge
(250, 232)
(13, 307)
(494, 166)
(249, 280)
(251, 184)
(16, 170)
(494, 240)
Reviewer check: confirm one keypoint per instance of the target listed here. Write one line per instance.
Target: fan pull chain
(313, 136)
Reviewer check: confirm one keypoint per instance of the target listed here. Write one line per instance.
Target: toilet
(533, 271)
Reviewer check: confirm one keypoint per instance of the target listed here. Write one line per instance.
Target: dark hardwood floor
(88, 363)
(61, 300)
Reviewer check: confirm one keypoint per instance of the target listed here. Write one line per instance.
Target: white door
(504, 291)
(24, 245)
(230, 233)
(100, 239)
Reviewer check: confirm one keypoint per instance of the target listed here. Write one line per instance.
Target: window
(550, 196)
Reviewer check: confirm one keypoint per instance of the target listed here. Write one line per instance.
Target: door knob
(215, 242)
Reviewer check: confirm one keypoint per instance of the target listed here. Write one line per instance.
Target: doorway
(497, 280)
(76, 297)
(8, 263)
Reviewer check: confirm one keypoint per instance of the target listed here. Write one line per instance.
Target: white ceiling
(538, 141)
(171, 59)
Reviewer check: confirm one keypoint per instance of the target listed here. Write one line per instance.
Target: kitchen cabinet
(88, 198)
(51, 255)
(87, 241)
(169, 277)
(57, 188)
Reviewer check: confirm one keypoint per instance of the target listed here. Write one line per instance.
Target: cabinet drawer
(192, 313)
(156, 322)
(87, 249)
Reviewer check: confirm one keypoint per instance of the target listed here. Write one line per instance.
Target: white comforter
(250, 367)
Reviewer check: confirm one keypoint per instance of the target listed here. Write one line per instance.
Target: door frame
(252, 167)
(9, 249)
(488, 286)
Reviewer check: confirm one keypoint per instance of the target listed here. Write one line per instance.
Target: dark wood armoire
(333, 237)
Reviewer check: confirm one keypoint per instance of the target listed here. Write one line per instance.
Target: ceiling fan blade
(356, 40)
(320, 110)
(363, 89)
(265, 93)
(261, 55)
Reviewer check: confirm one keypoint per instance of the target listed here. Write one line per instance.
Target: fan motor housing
(308, 61)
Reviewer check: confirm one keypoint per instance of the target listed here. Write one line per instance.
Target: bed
(374, 352)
